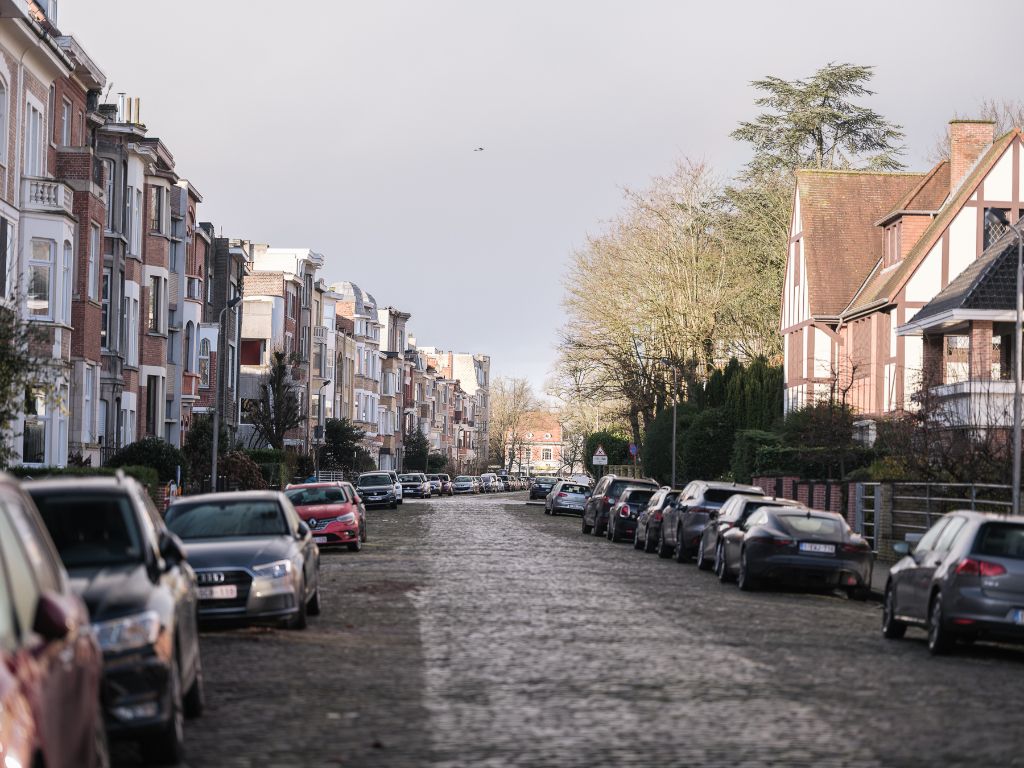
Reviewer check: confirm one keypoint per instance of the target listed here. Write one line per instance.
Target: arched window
(189, 351)
(204, 363)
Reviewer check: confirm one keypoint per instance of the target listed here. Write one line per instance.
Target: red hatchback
(333, 511)
(50, 665)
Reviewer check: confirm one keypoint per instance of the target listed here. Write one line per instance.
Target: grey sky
(349, 127)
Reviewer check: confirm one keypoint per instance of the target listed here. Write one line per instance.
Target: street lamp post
(675, 401)
(320, 427)
(220, 393)
(1018, 328)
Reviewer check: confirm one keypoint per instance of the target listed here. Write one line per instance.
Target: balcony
(320, 334)
(46, 196)
(977, 404)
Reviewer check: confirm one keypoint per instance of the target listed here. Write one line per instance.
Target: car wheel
(313, 606)
(299, 620)
(940, 639)
(703, 563)
(637, 544)
(167, 747)
(664, 550)
(892, 628)
(586, 528)
(362, 533)
(720, 570)
(745, 581)
(650, 544)
(355, 546)
(682, 553)
(195, 696)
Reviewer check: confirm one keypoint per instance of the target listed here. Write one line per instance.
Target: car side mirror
(712, 514)
(901, 548)
(303, 530)
(53, 620)
(171, 549)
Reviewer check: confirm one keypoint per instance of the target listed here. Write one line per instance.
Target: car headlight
(275, 570)
(348, 517)
(128, 632)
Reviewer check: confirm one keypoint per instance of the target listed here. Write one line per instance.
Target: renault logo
(211, 577)
(312, 522)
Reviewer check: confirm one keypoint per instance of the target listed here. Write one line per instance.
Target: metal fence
(888, 512)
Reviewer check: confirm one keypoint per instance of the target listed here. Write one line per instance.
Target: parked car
(797, 545)
(143, 602)
(686, 517)
(566, 497)
(623, 514)
(435, 484)
(446, 485)
(333, 511)
(541, 487)
(648, 523)
(255, 559)
(733, 513)
(50, 664)
(604, 495)
(464, 484)
(489, 483)
(415, 485)
(397, 485)
(377, 490)
(964, 580)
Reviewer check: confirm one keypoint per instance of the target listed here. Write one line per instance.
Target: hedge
(145, 475)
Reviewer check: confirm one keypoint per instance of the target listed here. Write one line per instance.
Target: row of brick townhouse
(900, 282)
(149, 317)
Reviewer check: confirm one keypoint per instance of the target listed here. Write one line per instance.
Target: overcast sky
(349, 127)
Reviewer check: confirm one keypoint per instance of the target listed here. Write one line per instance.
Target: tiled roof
(928, 195)
(838, 210)
(883, 286)
(988, 283)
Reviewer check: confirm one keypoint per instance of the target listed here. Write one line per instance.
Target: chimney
(968, 140)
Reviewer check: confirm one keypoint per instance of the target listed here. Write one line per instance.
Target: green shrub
(152, 452)
(241, 472)
(614, 444)
(745, 448)
(656, 452)
(707, 446)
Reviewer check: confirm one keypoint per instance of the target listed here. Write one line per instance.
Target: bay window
(40, 279)
(33, 141)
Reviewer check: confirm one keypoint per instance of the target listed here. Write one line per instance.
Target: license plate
(320, 539)
(821, 549)
(1018, 616)
(222, 592)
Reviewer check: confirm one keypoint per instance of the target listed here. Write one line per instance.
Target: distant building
(536, 448)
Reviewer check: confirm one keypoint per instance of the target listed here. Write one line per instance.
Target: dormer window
(892, 244)
(997, 221)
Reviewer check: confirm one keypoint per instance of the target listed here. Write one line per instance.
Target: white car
(398, 485)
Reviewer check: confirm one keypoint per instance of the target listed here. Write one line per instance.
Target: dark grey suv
(964, 580)
(605, 494)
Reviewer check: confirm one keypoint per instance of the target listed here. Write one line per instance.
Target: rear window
(802, 525)
(1000, 540)
(722, 495)
(91, 529)
(569, 488)
(618, 486)
(640, 497)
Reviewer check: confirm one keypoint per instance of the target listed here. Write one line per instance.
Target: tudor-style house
(868, 251)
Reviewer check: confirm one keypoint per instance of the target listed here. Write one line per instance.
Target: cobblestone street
(476, 631)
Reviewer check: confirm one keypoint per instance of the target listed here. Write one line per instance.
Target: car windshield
(374, 481)
(570, 488)
(1000, 540)
(92, 529)
(463, 479)
(227, 519)
(545, 481)
(410, 478)
(433, 477)
(811, 525)
(305, 497)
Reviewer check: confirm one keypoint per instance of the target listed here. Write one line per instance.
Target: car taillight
(657, 516)
(971, 567)
(771, 540)
(562, 495)
(624, 510)
(855, 546)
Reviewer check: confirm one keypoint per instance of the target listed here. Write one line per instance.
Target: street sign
(600, 458)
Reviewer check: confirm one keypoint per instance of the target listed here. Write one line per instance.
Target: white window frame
(66, 275)
(4, 131)
(66, 114)
(204, 356)
(87, 401)
(94, 257)
(33, 143)
(36, 262)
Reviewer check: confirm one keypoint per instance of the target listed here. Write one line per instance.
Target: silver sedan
(566, 497)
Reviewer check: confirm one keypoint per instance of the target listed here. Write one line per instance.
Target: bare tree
(510, 401)
(1006, 114)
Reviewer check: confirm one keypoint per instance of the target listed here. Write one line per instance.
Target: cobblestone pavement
(476, 631)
